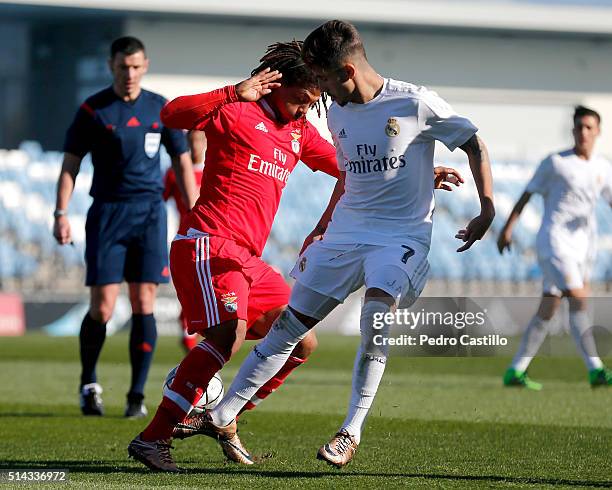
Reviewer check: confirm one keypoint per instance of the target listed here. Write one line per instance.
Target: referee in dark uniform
(126, 224)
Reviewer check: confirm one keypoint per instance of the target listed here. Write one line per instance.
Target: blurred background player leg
(143, 337)
(91, 340)
(197, 148)
(146, 267)
(534, 336)
(582, 333)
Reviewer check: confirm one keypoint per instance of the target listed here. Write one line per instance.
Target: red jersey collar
(267, 109)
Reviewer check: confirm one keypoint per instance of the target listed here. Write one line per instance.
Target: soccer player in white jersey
(571, 183)
(380, 231)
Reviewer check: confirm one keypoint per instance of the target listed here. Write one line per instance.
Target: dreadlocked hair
(287, 59)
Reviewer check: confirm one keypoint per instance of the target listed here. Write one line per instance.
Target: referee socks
(143, 338)
(91, 340)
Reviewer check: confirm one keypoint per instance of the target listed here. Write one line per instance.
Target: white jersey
(386, 146)
(570, 186)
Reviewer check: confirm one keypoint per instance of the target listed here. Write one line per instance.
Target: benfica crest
(295, 140)
(230, 301)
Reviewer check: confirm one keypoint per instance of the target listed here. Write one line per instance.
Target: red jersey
(171, 189)
(249, 159)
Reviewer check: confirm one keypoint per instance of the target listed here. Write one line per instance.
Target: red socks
(195, 371)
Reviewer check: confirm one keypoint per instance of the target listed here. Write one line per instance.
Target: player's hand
(314, 236)
(444, 175)
(504, 240)
(61, 230)
(254, 88)
(475, 230)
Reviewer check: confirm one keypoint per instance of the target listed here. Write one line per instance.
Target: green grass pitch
(436, 423)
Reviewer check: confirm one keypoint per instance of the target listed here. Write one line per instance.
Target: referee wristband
(59, 212)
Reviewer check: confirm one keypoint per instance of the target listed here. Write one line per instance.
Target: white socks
(368, 368)
(583, 336)
(536, 333)
(530, 343)
(262, 363)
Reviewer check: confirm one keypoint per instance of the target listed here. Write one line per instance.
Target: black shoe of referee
(91, 402)
(135, 407)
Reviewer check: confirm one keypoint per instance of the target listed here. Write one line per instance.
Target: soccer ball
(210, 398)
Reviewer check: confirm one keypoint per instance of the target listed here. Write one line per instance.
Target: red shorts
(217, 280)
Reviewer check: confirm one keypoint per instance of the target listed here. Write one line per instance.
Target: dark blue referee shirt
(124, 140)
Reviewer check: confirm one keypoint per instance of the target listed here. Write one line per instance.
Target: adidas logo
(133, 122)
(262, 127)
(342, 133)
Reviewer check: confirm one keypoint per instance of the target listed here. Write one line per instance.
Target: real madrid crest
(392, 128)
(295, 140)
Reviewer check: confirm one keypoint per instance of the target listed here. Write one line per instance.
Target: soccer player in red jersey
(197, 148)
(257, 132)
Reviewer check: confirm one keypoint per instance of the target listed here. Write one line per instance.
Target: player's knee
(577, 299)
(310, 306)
(302, 318)
(142, 307)
(142, 300)
(261, 326)
(376, 294)
(548, 307)
(306, 346)
(546, 315)
(101, 313)
(284, 335)
(228, 336)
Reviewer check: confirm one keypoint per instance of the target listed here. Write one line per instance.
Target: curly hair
(286, 57)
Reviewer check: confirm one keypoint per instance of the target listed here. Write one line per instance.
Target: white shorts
(338, 270)
(562, 274)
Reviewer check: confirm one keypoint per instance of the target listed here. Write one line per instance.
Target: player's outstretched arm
(65, 185)
(480, 166)
(505, 236)
(446, 175)
(193, 111)
(185, 180)
(318, 231)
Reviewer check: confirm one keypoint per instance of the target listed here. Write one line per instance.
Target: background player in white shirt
(380, 231)
(571, 183)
